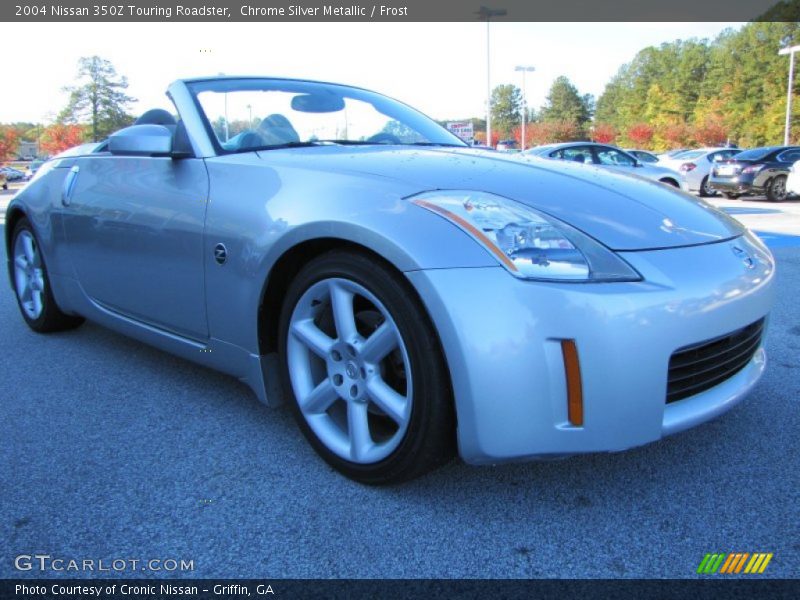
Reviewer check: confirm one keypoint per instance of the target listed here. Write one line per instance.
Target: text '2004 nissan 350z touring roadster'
(410, 297)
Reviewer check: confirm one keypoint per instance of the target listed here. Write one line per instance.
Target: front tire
(32, 284)
(731, 196)
(776, 190)
(363, 370)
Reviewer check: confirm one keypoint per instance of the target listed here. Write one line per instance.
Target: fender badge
(220, 253)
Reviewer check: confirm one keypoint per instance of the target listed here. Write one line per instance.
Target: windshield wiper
(351, 142)
(286, 145)
(442, 144)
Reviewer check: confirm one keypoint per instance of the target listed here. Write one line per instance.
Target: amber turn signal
(572, 368)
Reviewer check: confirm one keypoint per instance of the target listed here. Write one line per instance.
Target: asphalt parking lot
(111, 449)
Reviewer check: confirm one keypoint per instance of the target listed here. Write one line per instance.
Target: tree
(711, 132)
(59, 137)
(99, 98)
(9, 141)
(736, 82)
(564, 103)
(605, 133)
(546, 132)
(676, 136)
(640, 135)
(506, 107)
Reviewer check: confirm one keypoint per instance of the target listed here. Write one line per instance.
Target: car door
(614, 158)
(134, 231)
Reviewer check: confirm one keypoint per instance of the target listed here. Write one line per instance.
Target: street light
(487, 14)
(524, 70)
(790, 52)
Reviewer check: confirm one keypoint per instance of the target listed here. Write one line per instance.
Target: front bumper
(502, 340)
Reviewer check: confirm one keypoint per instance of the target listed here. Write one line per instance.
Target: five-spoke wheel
(32, 285)
(365, 369)
(28, 274)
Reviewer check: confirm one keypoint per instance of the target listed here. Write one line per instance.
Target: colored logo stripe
(733, 563)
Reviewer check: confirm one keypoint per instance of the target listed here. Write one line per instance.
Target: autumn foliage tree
(677, 135)
(480, 137)
(9, 141)
(640, 134)
(546, 132)
(712, 132)
(605, 133)
(59, 137)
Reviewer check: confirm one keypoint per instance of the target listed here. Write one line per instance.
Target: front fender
(259, 213)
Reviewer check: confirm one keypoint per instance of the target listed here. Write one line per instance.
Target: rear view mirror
(141, 140)
(317, 103)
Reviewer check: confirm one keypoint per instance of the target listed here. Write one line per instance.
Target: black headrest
(156, 116)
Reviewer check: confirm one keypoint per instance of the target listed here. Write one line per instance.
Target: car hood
(623, 212)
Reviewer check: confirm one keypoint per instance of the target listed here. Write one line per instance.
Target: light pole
(524, 70)
(487, 14)
(790, 52)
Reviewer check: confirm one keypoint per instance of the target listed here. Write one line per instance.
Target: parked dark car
(757, 171)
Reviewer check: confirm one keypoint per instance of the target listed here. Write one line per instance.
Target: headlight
(529, 244)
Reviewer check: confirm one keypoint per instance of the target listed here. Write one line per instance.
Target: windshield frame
(233, 84)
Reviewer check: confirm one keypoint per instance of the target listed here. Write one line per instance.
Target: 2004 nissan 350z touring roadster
(408, 296)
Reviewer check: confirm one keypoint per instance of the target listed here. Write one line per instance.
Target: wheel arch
(670, 181)
(13, 216)
(288, 264)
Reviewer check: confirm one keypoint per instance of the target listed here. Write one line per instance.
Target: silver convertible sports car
(409, 297)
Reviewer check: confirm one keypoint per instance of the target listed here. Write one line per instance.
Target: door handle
(69, 185)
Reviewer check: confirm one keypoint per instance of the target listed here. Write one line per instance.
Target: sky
(438, 68)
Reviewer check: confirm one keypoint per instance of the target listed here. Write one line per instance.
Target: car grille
(696, 368)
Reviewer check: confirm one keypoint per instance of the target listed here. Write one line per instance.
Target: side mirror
(141, 140)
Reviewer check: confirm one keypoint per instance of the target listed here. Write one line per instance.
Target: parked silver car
(408, 296)
(607, 157)
(695, 166)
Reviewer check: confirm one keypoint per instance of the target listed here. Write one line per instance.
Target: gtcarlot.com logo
(46, 562)
(734, 563)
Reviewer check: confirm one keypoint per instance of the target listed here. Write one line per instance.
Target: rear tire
(730, 196)
(776, 190)
(32, 284)
(363, 370)
(705, 191)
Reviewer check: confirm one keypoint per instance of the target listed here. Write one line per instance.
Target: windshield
(265, 114)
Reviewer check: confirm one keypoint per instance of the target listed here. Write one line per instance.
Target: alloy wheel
(349, 370)
(29, 274)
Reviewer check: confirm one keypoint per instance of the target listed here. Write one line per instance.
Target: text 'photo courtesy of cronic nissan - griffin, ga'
(409, 297)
